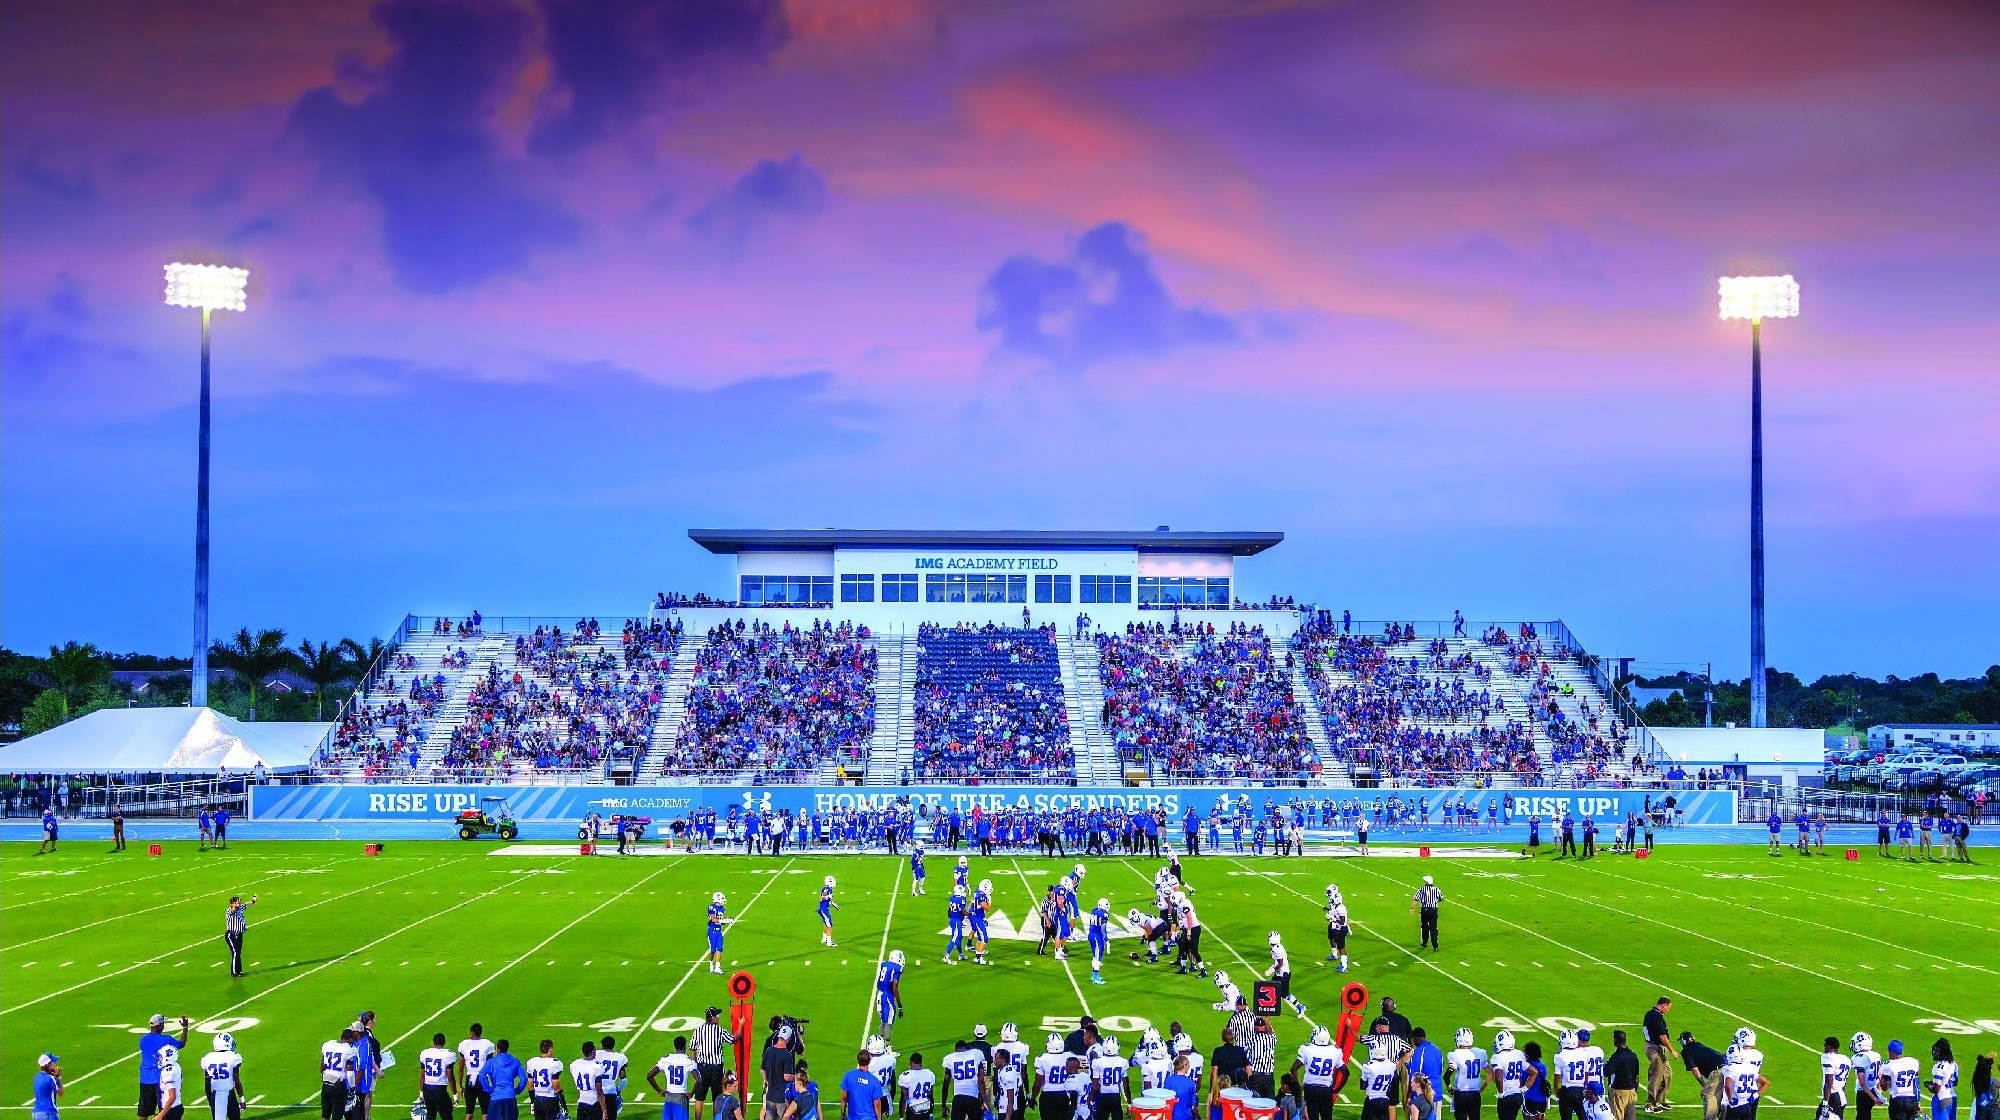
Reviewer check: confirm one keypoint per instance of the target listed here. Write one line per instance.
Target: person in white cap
(1425, 904)
(48, 1086)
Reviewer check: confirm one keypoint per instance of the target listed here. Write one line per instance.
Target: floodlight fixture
(1757, 298)
(210, 288)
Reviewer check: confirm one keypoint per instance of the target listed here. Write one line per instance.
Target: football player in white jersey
(1595, 1107)
(676, 1077)
(337, 1060)
(437, 1078)
(1230, 993)
(1058, 1077)
(1183, 1045)
(1190, 937)
(1465, 1069)
(1944, 1082)
(545, 1089)
(1867, 1068)
(916, 1090)
(173, 1101)
(1281, 973)
(1111, 1088)
(1572, 1073)
(587, 1076)
(611, 1067)
(222, 1076)
(1151, 932)
(1378, 1078)
(1510, 1073)
(472, 1055)
(1746, 1042)
(881, 1059)
(966, 1069)
(1152, 1061)
(1010, 1088)
(1898, 1081)
(1317, 1062)
(1744, 1084)
(1010, 1043)
(1834, 1067)
(1337, 927)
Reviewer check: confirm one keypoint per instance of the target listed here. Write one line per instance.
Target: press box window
(857, 588)
(1105, 589)
(1052, 589)
(899, 589)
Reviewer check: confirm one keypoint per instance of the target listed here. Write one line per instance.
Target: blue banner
(572, 803)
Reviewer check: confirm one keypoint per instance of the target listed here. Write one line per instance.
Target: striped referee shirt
(1428, 897)
(236, 921)
(709, 1039)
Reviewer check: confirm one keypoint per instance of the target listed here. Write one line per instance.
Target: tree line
(75, 679)
(1843, 702)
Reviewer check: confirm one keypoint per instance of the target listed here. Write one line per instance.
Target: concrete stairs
(673, 710)
(891, 748)
(1083, 699)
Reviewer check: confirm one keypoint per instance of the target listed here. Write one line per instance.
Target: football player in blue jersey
(976, 912)
(955, 940)
(961, 875)
(917, 870)
(889, 992)
(1100, 938)
(826, 908)
(716, 920)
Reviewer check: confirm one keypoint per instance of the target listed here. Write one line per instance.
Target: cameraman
(709, 1039)
(778, 1062)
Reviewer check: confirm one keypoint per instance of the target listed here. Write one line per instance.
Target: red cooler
(1260, 1108)
(1233, 1101)
(1153, 1104)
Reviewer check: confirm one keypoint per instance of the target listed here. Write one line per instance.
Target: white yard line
(1035, 907)
(495, 974)
(882, 951)
(205, 941)
(295, 978)
(1614, 966)
(121, 881)
(1795, 918)
(207, 894)
(1892, 886)
(699, 962)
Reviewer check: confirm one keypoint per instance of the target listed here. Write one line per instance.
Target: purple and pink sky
(1429, 286)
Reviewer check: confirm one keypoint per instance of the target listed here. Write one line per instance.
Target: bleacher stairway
(673, 709)
(1083, 700)
(894, 744)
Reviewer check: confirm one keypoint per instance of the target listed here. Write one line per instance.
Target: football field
(537, 941)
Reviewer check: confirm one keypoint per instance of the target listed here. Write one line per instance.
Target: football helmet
(169, 1056)
(223, 1042)
(1567, 1040)
(876, 1045)
(829, 880)
(1860, 1042)
(1221, 979)
(716, 898)
(1010, 1033)
(961, 861)
(1746, 1038)
(895, 956)
(1104, 904)
(1734, 1055)
(1055, 1043)
(1463, 1038)
(1109, 1046)
(1503, 1040)
(1274, 939)
(1322, 1037)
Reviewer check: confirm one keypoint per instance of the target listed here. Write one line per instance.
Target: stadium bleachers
(989, 702)
(788, 695)
(1194, 702)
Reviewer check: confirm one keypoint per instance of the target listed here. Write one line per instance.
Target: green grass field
(432, 936)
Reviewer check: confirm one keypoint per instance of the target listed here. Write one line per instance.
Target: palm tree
(254, 658)
(325, 665)
(364, 657)
(73, 670)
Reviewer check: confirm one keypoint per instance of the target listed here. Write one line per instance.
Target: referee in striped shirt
(234, 922)
(709, 1039)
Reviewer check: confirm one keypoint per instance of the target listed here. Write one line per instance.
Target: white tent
(163, 740)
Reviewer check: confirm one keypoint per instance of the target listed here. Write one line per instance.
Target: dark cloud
(1102, 300)
(420, 145)
(610, 59)
(54, 184)
(769, 194)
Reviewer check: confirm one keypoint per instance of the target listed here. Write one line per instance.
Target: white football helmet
(829, 880)
(1332, 892)
(986, 887)
(1503, 1040)
(1221, 979)
(1378, 1046)
(1133, 915)
(1010, 1033)
(876, 1045)
(1274, 939)
(957, 891)
(169, 1056)
(1734, 1054)
(1746, 1038)
(1183, 1044)
(1104, 904)
(895, 956)
(716, 898)
(920, 847)
(1463, 1038)
(1150, 1040)
(1109, 1046)
(1322, 1037)
(1055, 1043)
(1861, 1042)
(1567, 1040)
(1078, 869)
(961, 861)
(223, 1042)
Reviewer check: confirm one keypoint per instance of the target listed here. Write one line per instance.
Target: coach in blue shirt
(155, 1037)
(1427, 1059)
(503, 1079)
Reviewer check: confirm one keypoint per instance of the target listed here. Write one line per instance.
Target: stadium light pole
(1757, 298)
(211, 288)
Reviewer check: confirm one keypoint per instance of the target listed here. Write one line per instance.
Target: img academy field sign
(569, 803)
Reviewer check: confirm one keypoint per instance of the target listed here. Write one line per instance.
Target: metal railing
(163, 797)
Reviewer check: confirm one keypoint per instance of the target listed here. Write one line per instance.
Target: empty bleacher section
(775, 703)
(989, 703)
(1191, 702)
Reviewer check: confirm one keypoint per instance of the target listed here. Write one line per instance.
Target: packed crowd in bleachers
(1199, 703)
(989, 700)
(566, 701)
(777, 701)
(1423, 717)
(1584, 744)
(383, 736)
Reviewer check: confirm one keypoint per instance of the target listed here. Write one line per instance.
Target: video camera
(798, 1029)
